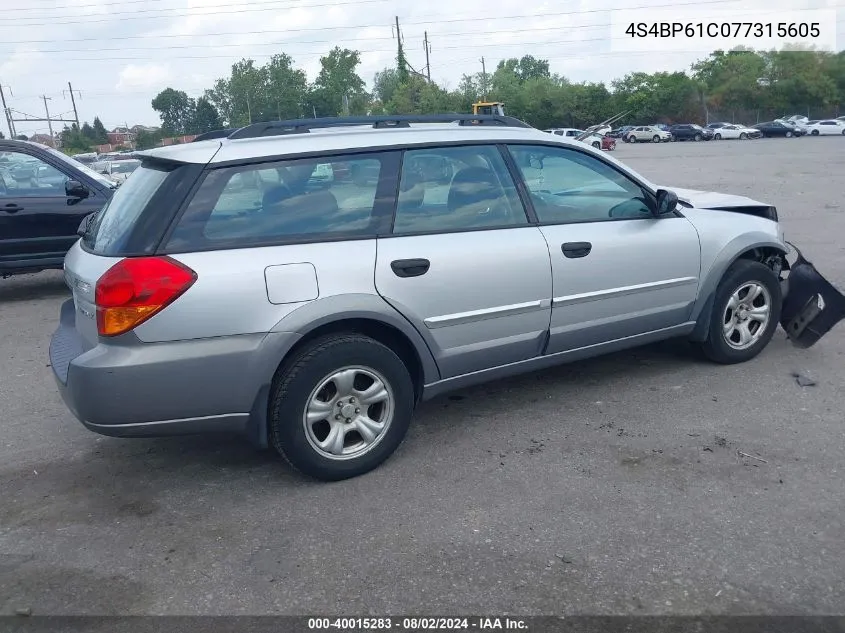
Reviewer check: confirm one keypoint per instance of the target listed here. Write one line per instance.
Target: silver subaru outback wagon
(309, 282)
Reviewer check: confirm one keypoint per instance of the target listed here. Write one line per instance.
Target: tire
(596, 144)
(717, 137)
(697, 137)
(815, 132)
(358, 359)
(788, 134)
(655, 139)
(843, 132)
(727, 347)
(743, 136)
(632, 139)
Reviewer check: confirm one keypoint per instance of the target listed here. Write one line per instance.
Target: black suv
(44, 195)
(690, 131)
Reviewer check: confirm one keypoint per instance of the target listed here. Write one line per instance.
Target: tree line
(741, 84)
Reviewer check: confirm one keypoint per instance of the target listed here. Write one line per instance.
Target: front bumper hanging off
(811, 304)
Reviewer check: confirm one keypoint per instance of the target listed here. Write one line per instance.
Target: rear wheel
(655, 139)
(596, 144)
(718, 137)
(746, 311)
(788, 134)
(340, 407)
(815, 132)
(697, 137)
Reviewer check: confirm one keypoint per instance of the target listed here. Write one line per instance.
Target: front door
(463, 264)
(617, 270)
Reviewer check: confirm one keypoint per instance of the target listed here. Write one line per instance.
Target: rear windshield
(112, 226)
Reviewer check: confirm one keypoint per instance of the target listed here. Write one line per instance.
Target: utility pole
(47, 110)
(73, 101)
(427, 62)
(248, 110)
(484, 79)
(6, 112)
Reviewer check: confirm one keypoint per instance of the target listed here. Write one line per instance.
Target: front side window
(22, 175)
(289, 200)
(568, 186)
(456, 188)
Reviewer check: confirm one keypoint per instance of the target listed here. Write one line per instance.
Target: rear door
(617, 271)
(464, 265)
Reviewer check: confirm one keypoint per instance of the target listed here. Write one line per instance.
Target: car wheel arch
(756, 250)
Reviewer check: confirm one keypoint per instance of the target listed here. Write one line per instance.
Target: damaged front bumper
(812, 306)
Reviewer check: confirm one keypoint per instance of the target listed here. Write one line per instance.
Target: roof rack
(207, 136)
(300, 126)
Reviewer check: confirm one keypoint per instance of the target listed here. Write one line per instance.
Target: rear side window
(291, 200)
(116, 221)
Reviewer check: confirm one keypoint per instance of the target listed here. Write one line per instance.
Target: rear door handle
(12, 208)
(410, 267)
(576, 249)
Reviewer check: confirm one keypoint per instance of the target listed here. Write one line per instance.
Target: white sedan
(826, 127)
(735, 131)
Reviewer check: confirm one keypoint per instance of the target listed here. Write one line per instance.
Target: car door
(38, 220)
(829, 128)
(463, 263)
(617, 270)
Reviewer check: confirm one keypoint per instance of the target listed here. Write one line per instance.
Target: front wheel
(746, 312)
(815, 132)
(340, 407)
(698, 137)
(655, 139)
(632, 139)
(718, 137)
(743, 136)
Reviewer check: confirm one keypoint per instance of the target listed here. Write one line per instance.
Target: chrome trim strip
(460, 318)
(621, 292)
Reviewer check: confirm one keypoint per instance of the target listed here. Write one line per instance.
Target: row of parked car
(794, 126)
(116, 166)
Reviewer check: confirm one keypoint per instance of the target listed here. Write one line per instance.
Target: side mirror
(667, 202)
(75, 189)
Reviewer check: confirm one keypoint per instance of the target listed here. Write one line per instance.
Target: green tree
(176, 110)
(286, 87)
(338, 81)
(148, 139)
(205, 117)
(100, 136)
(74, 141)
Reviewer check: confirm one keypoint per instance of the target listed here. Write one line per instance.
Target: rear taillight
(136, 288)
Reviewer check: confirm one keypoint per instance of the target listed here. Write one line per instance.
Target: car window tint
(22, 175)
(455, 188)
(284, 200)
(566, 185)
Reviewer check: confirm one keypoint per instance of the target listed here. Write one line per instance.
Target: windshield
(93, 175)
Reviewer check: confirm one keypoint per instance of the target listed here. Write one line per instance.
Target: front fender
(730, 253)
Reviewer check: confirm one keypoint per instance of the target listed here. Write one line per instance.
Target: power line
(434, 20)
(181, 13)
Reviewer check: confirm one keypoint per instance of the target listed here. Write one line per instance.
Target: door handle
(410, 267)
(12, 208)
(576, 249)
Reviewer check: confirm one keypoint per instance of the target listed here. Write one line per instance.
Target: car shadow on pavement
(32, 287)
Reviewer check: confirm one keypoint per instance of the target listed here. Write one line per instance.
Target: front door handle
(576, 249)
(410, 267)
(12, 208)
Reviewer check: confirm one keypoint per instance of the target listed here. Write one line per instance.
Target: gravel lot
(607, 487)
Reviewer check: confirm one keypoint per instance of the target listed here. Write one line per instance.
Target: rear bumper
(126, 388)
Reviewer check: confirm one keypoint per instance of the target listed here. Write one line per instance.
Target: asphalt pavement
(612, 486)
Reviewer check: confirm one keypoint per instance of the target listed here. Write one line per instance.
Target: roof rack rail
(207, 136)
(300, 126)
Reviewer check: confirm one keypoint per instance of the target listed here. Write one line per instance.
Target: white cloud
(143, 77)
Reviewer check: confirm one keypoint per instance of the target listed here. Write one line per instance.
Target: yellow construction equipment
(489, 107)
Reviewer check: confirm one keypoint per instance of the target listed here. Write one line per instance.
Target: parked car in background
(690, 132)
(717, 124)
(661, 126)
(44, 195)
(826, 127)
(599, 141)
(778, 128)
(620, 131)
(117, 170)
(244, 317)
(735, 131)
(564, 131)
(86, 158)
(647, 133)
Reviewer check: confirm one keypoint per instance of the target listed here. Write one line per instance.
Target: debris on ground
(708, 449)
(740, 454)
(721, 442)
(24, 612)
(803, 380)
